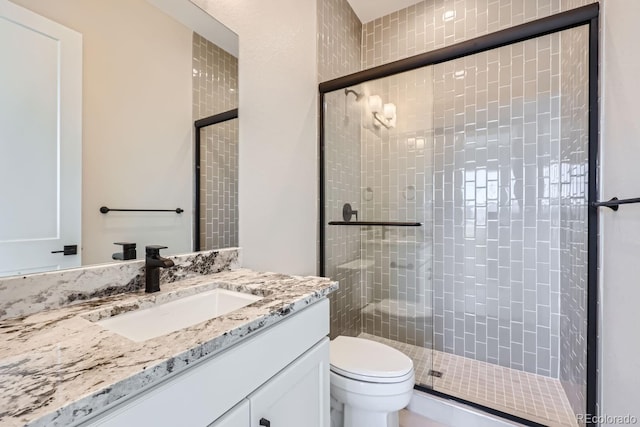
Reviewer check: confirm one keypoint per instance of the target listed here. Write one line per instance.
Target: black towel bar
(614, 203)
(105, 210)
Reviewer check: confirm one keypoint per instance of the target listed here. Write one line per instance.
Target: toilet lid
(368, 360)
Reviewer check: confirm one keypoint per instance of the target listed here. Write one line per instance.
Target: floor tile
(525, 395)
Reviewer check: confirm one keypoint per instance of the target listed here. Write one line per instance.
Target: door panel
(40, 142)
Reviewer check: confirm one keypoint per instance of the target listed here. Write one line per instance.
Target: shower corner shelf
(357, 264)
(397, 242)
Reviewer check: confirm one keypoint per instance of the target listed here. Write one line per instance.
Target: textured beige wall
(619, 345)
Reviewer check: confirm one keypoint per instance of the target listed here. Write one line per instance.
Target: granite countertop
(58, 366)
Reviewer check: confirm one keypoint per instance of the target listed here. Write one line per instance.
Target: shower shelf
(357, 264)
(379, 223)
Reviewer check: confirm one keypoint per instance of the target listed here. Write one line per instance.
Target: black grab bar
(382, 223)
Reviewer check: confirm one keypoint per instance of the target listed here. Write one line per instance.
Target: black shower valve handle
(348, 212)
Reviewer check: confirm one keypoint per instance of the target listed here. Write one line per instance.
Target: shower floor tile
(533, 397)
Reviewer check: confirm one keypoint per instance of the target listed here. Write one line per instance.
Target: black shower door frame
(585, 15)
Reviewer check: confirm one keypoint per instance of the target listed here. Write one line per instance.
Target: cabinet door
(298, 395)
(238, 416)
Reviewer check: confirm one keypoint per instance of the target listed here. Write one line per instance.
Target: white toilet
(370, 383)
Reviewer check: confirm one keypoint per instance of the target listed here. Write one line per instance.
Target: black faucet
(128, 251)
(153, 263)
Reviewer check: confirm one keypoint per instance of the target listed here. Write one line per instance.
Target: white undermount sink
(160, 319)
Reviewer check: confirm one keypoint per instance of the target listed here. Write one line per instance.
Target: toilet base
(342, 416)
(354, 417)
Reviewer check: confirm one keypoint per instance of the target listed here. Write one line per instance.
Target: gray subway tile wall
(339, 46)
(342, 182)
(215, 90)
(433, 24)
(573, 236)
(542, 305)
(494, 154)
(397, 182)
(219, 186)
(339, 40)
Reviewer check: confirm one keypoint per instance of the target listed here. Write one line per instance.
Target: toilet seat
(372, 389)
(369, 361)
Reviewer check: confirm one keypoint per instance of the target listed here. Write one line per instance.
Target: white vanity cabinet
(279, 376)
(295, 397)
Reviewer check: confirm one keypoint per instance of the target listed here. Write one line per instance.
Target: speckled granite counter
(57, 366)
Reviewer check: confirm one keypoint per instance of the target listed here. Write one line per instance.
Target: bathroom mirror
(149, 69)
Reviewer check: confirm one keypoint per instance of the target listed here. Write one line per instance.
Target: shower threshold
(528, 396)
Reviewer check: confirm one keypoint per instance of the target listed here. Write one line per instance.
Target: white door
(40, 142)
(297, 396)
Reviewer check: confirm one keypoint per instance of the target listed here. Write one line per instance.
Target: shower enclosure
(455, 215)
